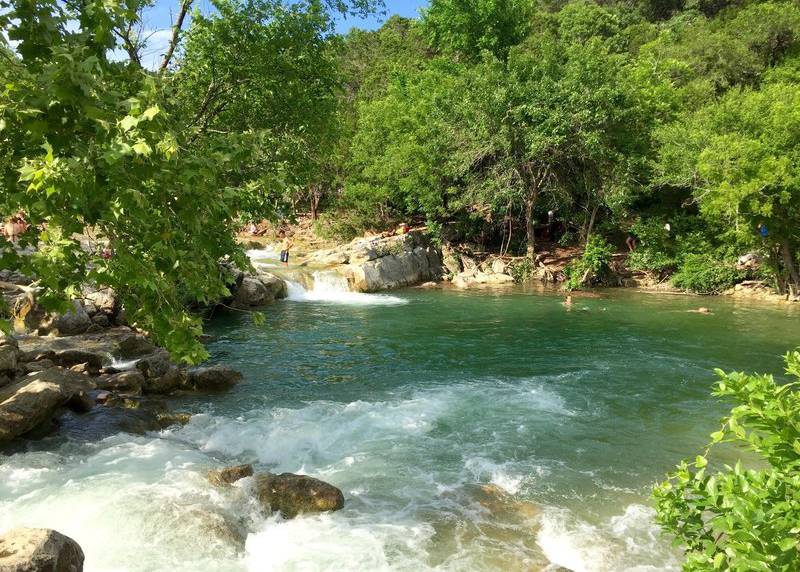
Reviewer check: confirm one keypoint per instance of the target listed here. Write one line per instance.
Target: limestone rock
(134, 346)
(167, 419)
(214, 378)
(76, 321)
(34, 399)
(131, 381)
(259, 290)
(40, 365)
(229, 475)
(292, 495)
(161, 374)
(39, 550)
(9, 354)
(76, 356)
(104, 300)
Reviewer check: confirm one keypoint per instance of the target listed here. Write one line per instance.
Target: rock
(101, 320)
(259, 290)
(292, 495)
(214, 378)
(85, 368)
(407, 268)
(80, 402)
(71, 323)
(35, 398)
(36, 355)
(451, 260)
(75, 356)
(229, 475)
(9, 354)
(104, 300)
(499, 266)
(90, 309)
(134, 346)
(39, 550)
(40, 365)
(161, 374)
(167, 419)
(130, 381)
(5, 380)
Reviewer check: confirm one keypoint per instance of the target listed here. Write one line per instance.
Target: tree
(736, 518)
(740, 158)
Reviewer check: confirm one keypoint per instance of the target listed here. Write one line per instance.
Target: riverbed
(468, 430)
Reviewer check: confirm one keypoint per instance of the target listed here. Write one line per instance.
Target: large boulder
(214, 378)
(9, 354)
(76, 356)
(161, 374)
(33, 400)
(259, 290)
(292, 495)
(405, 264)
(39, 550)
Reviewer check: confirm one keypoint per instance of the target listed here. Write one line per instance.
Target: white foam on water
(330, 286)
(269, 252)
(630, 542)
(142, 504)
(123, 365)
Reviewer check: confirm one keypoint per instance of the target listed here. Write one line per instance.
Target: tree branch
(176, 30)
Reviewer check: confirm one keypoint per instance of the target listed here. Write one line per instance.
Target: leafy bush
(742, 519)
(593, 266)
(704, 274)
(521, 270)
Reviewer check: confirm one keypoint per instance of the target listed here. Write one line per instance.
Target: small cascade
(266, 257)
(307, 285)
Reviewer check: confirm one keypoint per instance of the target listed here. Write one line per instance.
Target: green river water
(468, 430)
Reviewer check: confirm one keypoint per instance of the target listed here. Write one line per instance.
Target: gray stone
(229, 475)
(214, 378)
(40, 365)
(34, 399)
(161, 374)
(292, 495)
(101, 320)
(71, 323)
(39, 550)
(75, 356)
(80, 402)
(134, 345)
(9, 353)
(259, 290)
(123, 381)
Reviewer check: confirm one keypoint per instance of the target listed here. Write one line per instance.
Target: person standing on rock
(286, 244)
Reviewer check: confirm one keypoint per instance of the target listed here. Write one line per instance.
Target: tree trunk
(530, 202)
(590, 226)
(788, 261)
(314, 198)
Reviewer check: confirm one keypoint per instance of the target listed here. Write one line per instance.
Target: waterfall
(330, 286)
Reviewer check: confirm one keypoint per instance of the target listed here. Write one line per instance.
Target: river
(468, 430)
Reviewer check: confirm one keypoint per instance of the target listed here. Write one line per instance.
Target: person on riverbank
(632, 241)
(286, 244)
(15, 226)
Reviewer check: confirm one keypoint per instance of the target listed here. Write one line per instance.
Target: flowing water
(469, 431)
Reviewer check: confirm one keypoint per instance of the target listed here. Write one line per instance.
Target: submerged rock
(39, 550)
(292, 495)
(229, 475)
(214, 378)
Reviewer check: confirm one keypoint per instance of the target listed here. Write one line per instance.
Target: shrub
(742, 519)
(704, 274)
(521, 270)
(593, 266)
